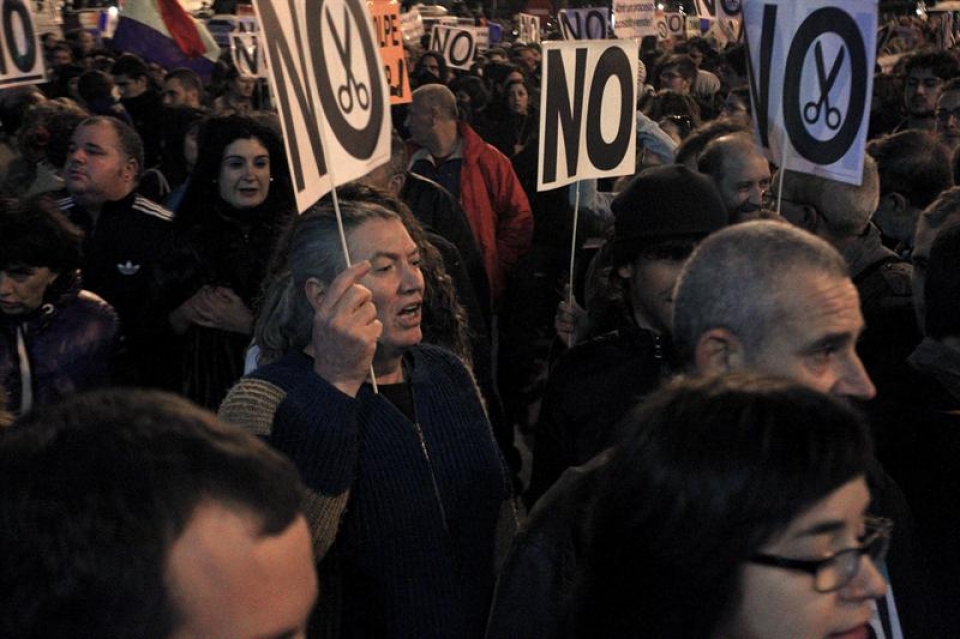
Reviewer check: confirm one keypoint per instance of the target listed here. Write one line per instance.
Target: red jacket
(496, 206)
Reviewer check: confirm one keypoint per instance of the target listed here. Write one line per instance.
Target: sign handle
(782, 170)
(573, 242)
(343, 235)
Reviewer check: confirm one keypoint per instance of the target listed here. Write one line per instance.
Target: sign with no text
(386, 24)
(588, 119)
(811, 79)
(329, 83)
(21, 61)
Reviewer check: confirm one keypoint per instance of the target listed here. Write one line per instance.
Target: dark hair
(913, 164)
(941, 290)
(941, 63)
(94, 492)
(95, 85)
(683, 63)
(711, 471)
(216, 134)
(186, 77)
(130, 143)
(130, 65)
(36, 233)
(689, 150)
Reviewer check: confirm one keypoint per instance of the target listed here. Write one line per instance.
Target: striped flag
(162, 31)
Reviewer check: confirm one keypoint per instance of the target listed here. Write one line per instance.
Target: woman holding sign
(408, 498)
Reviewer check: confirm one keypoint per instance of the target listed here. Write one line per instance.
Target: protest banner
(331, 91)
(458, 46)
(811, 80)
(671, 25)
(634, 18)
(21, 61)
(386, 24)
(587, 111)
(591, 23)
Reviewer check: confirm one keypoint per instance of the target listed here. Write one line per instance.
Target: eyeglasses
(838, 570)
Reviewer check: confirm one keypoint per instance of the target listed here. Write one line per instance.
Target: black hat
(661, 203)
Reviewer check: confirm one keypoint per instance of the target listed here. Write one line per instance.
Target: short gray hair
(738, 279)
(845, 208)
(439, 96)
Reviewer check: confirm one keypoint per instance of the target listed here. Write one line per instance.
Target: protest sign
(386, 24)
(587, 111)
(21, 61)
(330, 87)
(811, 81)
(591, 23)
(719, 8)
(458, 46)
(529, 28)
(247, 53)
(411, 23)
(634, 18)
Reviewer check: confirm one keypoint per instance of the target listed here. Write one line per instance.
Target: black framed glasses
(836, 571)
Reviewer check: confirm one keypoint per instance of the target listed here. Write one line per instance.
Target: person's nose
(853, 380)
(868, 583)
(6, 285)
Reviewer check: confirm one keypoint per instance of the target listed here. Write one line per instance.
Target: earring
(271, 179)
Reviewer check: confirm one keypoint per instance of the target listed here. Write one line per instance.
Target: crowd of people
(717, 426)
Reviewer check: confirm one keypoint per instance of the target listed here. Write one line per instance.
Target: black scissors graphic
(346, 92)
(811, 110)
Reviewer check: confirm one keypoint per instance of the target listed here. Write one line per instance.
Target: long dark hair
(216, 134)
(713, 470)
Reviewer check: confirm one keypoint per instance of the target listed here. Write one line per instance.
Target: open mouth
(412, 309)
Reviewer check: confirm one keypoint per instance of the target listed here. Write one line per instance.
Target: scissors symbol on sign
(346, 92)
(811, 110)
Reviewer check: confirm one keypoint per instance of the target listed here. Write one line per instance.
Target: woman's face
(778, 603)
(245, 173)
(395, 282)
(22, 288)
(518, 99)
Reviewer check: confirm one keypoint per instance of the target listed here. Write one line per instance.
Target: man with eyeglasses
(926, 72)
(775, 299)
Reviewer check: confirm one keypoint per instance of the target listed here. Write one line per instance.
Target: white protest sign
(719, 8)
(811, 81)
(588, 118)
(591, 23)
(327, 76)
(458, 46)
(247, 53)
(21, 61)
(529, 28)
(692, 27)
(634, 18)
(411, 23)
(674, 25)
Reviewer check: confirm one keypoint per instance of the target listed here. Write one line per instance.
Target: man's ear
(894, 203)
(625, 271)
(315, 290)
(719, 351)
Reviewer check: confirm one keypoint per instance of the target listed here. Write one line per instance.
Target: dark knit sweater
(394, 561)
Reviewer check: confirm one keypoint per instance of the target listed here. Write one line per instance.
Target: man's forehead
(99, 133)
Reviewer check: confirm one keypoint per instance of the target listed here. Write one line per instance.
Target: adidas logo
(129, 268)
